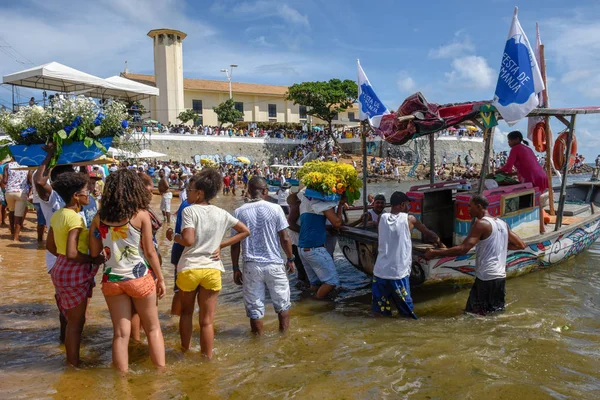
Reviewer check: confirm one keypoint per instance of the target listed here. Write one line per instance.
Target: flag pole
(363, 140)
(548, 132)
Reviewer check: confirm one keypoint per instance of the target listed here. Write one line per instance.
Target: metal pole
(363, 139)
(13, 98)
(431, 159)
(487, 137)
(563, 186)
(229, 77)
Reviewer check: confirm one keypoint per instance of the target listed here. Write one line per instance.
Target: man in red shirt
(226, 181)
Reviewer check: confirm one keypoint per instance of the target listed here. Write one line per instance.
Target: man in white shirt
(263, 266)
(394, 259)
(493, 238)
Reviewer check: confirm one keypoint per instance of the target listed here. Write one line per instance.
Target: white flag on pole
(520, 80)
(369, 105)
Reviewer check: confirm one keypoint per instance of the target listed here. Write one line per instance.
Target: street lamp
(229, 72)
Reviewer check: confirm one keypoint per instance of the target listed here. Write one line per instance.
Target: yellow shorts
(208, 278)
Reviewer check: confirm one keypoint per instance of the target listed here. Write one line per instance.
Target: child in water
(199, 269)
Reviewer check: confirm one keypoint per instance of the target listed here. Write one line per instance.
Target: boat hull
(540, 252)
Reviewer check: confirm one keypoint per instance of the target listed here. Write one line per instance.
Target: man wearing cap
(493, 238)
(394, 259)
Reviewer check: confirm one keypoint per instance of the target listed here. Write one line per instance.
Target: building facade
(258, 103)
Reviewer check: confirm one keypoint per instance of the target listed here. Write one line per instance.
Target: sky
(449, 50)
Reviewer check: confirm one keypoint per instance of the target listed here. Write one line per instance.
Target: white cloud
(472, 72)
(260, 9)
(261, 41)
(405, 82)
(458, 47)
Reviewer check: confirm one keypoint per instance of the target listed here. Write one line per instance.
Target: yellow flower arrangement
(331, 178)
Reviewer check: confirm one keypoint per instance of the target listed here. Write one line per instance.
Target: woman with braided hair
(123, 231)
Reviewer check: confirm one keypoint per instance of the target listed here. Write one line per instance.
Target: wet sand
(546, 345)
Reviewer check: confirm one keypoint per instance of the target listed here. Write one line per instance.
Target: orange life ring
(539, 137)
(560, 149)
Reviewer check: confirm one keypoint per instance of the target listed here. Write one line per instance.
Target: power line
(13, 53)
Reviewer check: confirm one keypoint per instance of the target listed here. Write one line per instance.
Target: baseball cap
(398, 198)
(380, 196)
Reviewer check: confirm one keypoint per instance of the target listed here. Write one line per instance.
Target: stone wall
(187, 148)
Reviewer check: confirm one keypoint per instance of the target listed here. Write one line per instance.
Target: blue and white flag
(520, 79)
(369, 105)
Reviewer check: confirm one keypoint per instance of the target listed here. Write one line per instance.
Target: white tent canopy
(147, 153)
(135, 90)
(114, 152)
(60, 78)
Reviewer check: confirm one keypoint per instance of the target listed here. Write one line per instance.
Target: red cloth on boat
(528, 168)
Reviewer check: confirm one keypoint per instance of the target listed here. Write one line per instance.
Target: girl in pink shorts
(123, 231)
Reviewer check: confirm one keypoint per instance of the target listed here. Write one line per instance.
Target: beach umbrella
(471, 128)
(151, 121)
(243, 160)
(452, 128)
(204, 161)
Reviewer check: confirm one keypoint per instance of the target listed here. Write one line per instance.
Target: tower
(168, 72)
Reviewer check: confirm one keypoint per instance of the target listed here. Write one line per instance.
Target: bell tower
(168, 72)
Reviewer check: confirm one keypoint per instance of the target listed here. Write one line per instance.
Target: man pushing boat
(493, 238)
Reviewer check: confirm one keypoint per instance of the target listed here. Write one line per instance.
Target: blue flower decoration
(77, 121)
(124, 124)
(68, 129)
(99, 118)
(28, 131)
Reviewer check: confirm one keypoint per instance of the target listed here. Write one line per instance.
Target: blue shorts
(319, 266)
(40, 215)
(388, 291)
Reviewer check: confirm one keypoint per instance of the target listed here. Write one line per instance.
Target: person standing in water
(391, 272)
(74, 270)
(493, 238)
(200, 267)
(165, 191)
(123, 231)
(263, 266)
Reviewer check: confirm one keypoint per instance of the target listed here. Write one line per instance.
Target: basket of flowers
(328, 181)
(80, 128)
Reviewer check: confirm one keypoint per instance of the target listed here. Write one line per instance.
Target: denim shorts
(40, 215)
(319, 266)
(258, 277)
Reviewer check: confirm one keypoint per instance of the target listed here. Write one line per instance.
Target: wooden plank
(565, 220)
(563, 186)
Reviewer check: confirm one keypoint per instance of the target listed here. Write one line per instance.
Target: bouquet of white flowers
(66, 121)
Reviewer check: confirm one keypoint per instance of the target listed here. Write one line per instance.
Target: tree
(324, 100)
(187, 115)
(226, 113)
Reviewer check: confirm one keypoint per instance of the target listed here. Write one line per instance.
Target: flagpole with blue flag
(520, 79)
(370, 109)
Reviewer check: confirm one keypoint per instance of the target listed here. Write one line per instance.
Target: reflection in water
(333, 350)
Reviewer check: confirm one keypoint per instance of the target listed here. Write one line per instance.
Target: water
(546, 345)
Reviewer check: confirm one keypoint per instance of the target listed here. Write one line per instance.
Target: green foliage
(187, 115)
(226, 113)
(324, 100)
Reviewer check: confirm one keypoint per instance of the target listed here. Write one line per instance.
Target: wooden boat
(443, 207)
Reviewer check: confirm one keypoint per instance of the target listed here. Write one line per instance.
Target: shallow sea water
(546, 345)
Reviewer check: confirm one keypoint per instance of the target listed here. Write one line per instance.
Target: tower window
(272, 110)
(197, 106)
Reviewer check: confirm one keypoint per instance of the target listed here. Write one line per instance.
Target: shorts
(73, 282)
(319, 266)
(257, 277)
(136, 288)
(165, 202)
(190, 279)
(386, 291)
(40, 215)
(175, 287)
(16, 202)
(486, 296)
